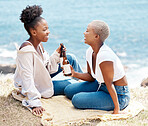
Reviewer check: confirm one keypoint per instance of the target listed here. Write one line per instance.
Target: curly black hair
(30, 13)
(30, 16)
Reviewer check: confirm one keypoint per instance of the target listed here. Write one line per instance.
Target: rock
(5, 69)
(144, 83)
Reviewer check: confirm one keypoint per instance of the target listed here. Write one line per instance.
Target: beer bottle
(61, 54)
(64, 62)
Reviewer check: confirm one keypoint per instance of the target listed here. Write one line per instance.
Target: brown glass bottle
(61, 54)
(65, 63)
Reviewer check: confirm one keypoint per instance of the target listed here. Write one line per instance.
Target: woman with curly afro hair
(35, 67)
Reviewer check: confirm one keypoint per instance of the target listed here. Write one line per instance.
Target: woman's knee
(59, 86)
(75, 101)
(71, 58)
(68, 91)
(78, 101)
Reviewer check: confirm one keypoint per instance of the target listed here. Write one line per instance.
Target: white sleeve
(105, 57)
(25, 62)
(52, 62)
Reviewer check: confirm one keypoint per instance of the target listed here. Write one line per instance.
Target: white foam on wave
(135, 76)
(8, 53)
(122, 54)
(133, 66)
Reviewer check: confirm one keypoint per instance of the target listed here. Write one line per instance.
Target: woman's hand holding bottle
(64, 62)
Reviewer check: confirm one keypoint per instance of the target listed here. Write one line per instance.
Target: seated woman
(35, 67)
(105, 86)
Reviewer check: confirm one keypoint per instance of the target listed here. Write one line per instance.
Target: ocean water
(68, 19)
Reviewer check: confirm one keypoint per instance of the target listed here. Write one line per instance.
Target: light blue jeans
(59, 85)
(86, 95)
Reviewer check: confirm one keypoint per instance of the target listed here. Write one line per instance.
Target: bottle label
(67, 69)
(61, 61)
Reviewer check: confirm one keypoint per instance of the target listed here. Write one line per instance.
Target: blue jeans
(59, 85)
(86, 95)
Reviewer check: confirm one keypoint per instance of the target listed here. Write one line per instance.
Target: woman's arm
(52, 61)
(83, 76)
(108, 74)
(25, 67)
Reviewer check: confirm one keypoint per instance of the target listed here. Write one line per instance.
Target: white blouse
(31, 75)
(105, 54)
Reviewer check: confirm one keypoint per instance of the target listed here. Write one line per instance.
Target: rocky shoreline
(6, 69)
(144, 83)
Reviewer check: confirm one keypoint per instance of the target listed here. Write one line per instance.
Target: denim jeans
(89, 95)
(59, 85)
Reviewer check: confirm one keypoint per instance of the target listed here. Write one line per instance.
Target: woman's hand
(72, 71)
(117, 111)
(59, 49)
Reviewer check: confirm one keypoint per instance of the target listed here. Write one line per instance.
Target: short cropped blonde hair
(100, 28)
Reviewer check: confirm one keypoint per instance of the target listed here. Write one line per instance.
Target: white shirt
(105, 54)
(32, 76)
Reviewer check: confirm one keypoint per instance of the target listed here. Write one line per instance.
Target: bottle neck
(61, 54)
(64, 54)
(62, 49)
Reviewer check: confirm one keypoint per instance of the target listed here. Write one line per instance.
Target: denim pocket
(123, 101)
(122, 90)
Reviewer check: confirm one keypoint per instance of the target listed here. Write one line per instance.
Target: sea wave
(8, 50)
(8, 53)
(121, 54)
(136, 76)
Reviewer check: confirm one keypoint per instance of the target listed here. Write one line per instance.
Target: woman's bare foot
(38, 111)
